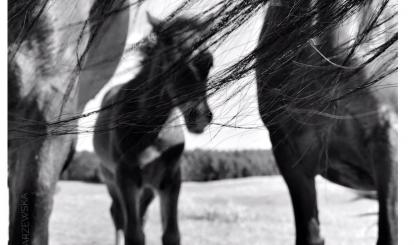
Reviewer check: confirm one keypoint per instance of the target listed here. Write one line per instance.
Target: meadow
(248, 211)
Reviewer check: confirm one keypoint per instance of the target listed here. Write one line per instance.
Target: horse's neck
(145, 113)
(145, 94)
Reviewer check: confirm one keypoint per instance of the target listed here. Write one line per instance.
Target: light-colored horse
(350, 140)
(55, 67)
(136, 139)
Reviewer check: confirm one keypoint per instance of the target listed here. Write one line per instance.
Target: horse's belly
(349, 174)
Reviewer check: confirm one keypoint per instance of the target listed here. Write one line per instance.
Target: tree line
(196, 165)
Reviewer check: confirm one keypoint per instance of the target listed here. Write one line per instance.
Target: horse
(320, 120)
(56, 51)
(136, 135)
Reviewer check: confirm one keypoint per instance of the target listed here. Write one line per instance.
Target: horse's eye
(204, 60)
(168, 40)
(203, 64)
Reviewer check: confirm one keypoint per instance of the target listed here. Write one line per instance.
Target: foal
(139, 147)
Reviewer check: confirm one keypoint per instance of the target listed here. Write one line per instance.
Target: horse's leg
(116, 214)
(384, 152)
(147, 195)
(32, 183)
(128, 182)
(169, 209)
(301, 185)
(169, 191)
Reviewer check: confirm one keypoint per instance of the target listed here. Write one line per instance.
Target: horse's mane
(183, 23)
(147, 45)
(226, 17)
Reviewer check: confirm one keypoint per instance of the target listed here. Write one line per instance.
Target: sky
(244, 128)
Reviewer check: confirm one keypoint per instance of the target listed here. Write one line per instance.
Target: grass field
(243, 212)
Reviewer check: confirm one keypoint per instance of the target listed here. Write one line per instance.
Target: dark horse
(54, 48)
(313, 127)
(140, 147)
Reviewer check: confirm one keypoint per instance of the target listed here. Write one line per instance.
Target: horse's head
(187, 67)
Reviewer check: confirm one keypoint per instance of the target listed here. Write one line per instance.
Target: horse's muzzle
(198, 118)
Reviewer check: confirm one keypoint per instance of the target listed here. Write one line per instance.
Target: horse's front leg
(384, 153)
(169, 209)
(33, 175)
(302, 190)
(129, 183)
(169, 191)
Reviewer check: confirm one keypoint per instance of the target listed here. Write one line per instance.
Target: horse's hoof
(119, 237)
(321, 242)
(315, 237)
(171, 239)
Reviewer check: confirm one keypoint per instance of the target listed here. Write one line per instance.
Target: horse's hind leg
(117, 218)
(384, 152)
(116, 208)
(129, 184)
(301, 184)
(116, 214)
(147, 195)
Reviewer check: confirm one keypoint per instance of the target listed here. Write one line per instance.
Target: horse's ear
(155, 22)
(208, 23)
